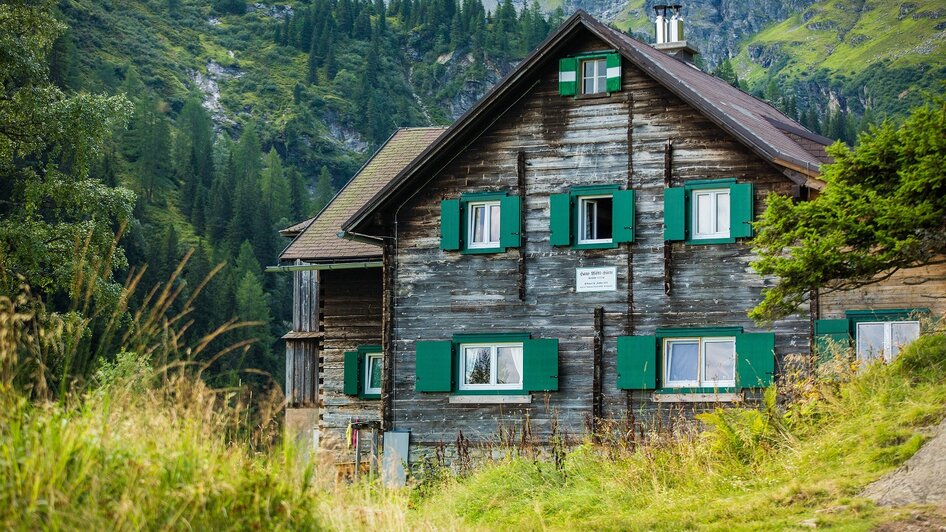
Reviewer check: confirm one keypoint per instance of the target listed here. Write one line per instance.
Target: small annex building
(337, 302)
(573, 249)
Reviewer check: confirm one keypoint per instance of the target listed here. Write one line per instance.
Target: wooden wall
(566, 141)
(302, 343)
(351, 306)
(923, 287)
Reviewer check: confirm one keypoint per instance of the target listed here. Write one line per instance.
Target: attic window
(593, 76)
(589, 73)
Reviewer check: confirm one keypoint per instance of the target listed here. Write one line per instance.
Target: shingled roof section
(775, 137)
(293, 230)
(319, 241)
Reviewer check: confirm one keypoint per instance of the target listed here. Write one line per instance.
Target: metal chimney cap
(659, 7)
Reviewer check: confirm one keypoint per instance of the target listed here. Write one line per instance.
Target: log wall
(923, 287)
(351, 307)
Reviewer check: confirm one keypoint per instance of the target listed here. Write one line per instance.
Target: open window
(592, 217)
(595, 219)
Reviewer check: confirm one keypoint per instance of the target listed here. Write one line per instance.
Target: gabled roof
(764, 129)
(317, 239)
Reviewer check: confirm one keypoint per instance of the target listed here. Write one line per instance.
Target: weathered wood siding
(305, 300)
(923, 287)
(302, 350)
(351, 309)
(567, 141)
(302, 372)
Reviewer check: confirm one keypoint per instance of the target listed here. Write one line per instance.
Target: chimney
(669, 35)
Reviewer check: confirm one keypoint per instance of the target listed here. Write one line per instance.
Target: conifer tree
(323, 190)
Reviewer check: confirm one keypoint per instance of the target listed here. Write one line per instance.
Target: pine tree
(276, 189)
(300, 207)
(154, 153)
(727, 73)
(323, 190)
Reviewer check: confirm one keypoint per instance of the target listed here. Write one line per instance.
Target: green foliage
(884, 208)
(54, 213)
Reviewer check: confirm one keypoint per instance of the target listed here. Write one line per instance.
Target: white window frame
(695, 214)
(581, 220)
(368, 390)
(888, 354)
(493, 367)
(700, 381)
(600, 69)
(488, 244)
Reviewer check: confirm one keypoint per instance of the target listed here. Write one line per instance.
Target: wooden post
(668, 247)
(521, 266)
(597, 395)
(357, 452)
(387, 335)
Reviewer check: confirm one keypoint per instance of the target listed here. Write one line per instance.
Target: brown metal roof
(748, 119)
(318, 241)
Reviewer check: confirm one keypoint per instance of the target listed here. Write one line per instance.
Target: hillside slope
(879, 54)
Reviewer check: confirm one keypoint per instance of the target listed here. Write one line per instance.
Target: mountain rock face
(716, 27)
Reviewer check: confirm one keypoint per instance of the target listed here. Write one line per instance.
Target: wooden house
(573, 249)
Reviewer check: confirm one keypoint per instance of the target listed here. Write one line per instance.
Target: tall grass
(139, 441)
(801, 463)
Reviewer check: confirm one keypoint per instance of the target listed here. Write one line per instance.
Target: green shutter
(540, 365)
(450, 225)
(740, 210)
(637, 362)
(560, 219)
(568, 76)
(675, 214)
(622, 229)
(614, 72)
(434, 371)
(831, 335)
(755, 359)
(509, 222)
(352, 373)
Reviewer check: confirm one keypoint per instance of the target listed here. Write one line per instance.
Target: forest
(200, 185)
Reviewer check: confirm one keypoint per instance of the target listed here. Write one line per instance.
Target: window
(711, 217)
(700, 362)
(590, 73)
(594, 75)
(480, 223)
(483, 224)
(362, 372)
(876, 340)
(709, 211)
(595, 220)
(491, 366)
(373, 366)
(591, 217)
